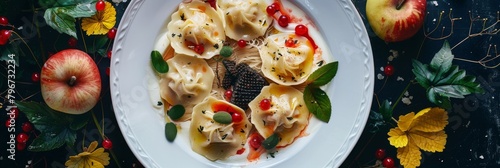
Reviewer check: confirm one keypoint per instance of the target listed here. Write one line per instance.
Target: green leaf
(176, 112)
(318, 103)
(223, 117)
(442, 60)
(386, 110)
(170, 131)
(422, 73)
(376, 121)
(56, 128)
(63, 18)
(73, 2)
(271, 141)
(159, 64)
(99, 43)
(324, 74)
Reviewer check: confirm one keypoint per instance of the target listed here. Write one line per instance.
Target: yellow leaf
(429, 141)
(430, 120)
(410, 155)
(405, 121)
(397, 138)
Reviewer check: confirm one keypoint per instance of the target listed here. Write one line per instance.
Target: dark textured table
(470, 26)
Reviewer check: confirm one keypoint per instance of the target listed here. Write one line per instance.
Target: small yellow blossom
(421, 131)
(101, 22)
(89, 158)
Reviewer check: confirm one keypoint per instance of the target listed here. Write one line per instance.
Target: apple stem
(72, 81)
(400, 4)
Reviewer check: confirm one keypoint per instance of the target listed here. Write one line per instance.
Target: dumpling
(287, 63)
(196, 30)
(288, 115)
(244, 19)
(188, 81)
(214, 140)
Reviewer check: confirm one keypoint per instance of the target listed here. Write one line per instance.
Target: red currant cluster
(283, 19)
(4, 34)
(387, 162)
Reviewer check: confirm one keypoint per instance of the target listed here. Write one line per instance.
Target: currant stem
(72, 81)
(401, 96)
(400, 4)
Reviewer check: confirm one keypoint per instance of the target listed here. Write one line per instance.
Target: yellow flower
(89, 158)
(101, 22)
(423, 130)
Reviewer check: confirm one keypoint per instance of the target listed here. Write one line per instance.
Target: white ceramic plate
(326, 146)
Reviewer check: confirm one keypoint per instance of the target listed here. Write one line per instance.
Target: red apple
(395, 20)
(70, 82)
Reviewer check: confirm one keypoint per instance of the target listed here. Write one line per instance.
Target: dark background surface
(474, 122)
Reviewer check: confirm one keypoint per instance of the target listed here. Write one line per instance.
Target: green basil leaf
(223, 117)
(318, 103)
(159, 64)
(170, 131)
(386, 110)
(324, 74)
(176, 112)
(271, 141)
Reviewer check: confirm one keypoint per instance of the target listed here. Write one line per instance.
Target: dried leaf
(397, 138)
(410, 155)
(429, 141)
(430, 120)
(405, 121)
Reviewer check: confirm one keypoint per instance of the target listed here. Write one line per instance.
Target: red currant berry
(72, 42)
(271, 10)
(35, 77)
(240, 151)
(380, 154)
(4, 36)
(388, 162)
(4, 20)
(255, 140)
(7, 123)
(112, 33)
(27, 127)
(22, 137)
(107, 144)
(236, 117)
(265, 104)
(15, 112)
(109, 54)
(199, 49)
(228, 94)
(283, 20)
(100, 5)
(276, 6)
(21, 146)
(107, 71)
(389, 70)
(289, 42)
(301, 30)
(242, 43)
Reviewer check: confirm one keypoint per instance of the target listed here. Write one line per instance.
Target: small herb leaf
(226, 51)
(271, 142)
(318, 103)
(223, 117)
(170, 131)
(386, 110)
(158, 63)
(176, 112)
(324, 74)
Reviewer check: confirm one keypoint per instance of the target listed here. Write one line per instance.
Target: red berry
(100, 5)
(107, 144)
(255, 140)
(301, 30)
(27, 127)
(276, 6)
(271, 10)
(380, 154)
(388, 162)
(4, 36)
(7, 123)
(283, 20)
(242, 43)
(112, 33)
(4, 20)
(200, 48)
(72, 42)
(236, 117)
(35, 77)
(21, 146)
(289, 42)
(14, 111)
(109, 54)
(107, 71)
(240, 151)
(22, 137)
(389, 70)
(228, 94)
(265, 104)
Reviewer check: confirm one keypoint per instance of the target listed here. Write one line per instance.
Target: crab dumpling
(287, 63)
(244, 19)
(188, 81)
(196, 24)
(287, 117)
(214, 140)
